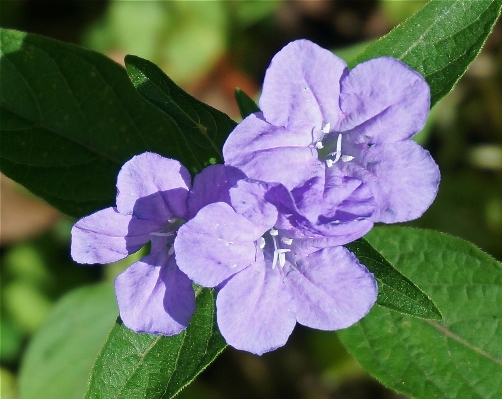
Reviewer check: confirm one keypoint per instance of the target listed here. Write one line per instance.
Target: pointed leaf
(70, 118)
(246, 104)
(203, 127)
(457, 357)
(439, 41)
(395, 291)
(132, 365)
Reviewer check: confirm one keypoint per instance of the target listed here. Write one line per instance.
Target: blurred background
(209, 48)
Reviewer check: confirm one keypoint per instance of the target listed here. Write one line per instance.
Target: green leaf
(246, 104)
(458, 357)
(132, 365)
(439, 41)
(203, 128)
(60, 356)
(395, 291)
(70, 118)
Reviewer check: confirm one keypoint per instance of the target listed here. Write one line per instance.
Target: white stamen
(282, 259)
(337, 154)
(338, 148)
(171, 250)
(172, 220)
(274, 261)
(279, 253)
(282, 256)
(286, 240)
(156, 233)
(325, 129)
(282, 251)
(262, 242)
(347, 158)
(274, 233)
(319, 145)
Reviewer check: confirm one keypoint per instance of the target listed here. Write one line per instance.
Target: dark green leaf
(457, 357)
(246, 104)
(395, 291)
(70, 118)
(439, 41)
(132, 365)
(203, 128)
(60, 356)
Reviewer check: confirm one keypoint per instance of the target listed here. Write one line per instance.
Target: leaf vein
(463, 342)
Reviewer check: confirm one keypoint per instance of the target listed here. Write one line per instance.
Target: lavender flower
(340, 140)
(153, 199)
(330, 154)
(268, 280)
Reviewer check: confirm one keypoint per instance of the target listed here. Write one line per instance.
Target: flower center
(333, 157)
(279, 253)
(169, 230)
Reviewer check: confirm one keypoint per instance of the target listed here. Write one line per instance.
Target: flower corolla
(267, 280)
(154, 197)
(329, 154)
(340, 140)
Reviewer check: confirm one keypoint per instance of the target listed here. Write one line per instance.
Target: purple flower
(153, 199)
(340, 140)
(267, 279)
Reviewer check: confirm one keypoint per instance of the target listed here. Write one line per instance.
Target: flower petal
(301, 87)
(328, 235)
(331, 289)
(384, 101)
(269, 153)
(255, 309)
(330, 209)
(216, 244)
(154, 296)
(107, 236)
(334, 197)
(153, 187)
(248, 200)
(404, 179)
(209, 186)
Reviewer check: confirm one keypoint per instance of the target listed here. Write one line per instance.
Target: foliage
(459, 356)
(70, 118)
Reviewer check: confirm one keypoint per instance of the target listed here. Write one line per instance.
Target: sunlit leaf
(132, 365)
(439, 41)
(395, 291)
(457, 357)
(70, 118)
(203, 128)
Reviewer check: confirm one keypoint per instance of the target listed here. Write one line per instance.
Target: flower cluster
(329, 155)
